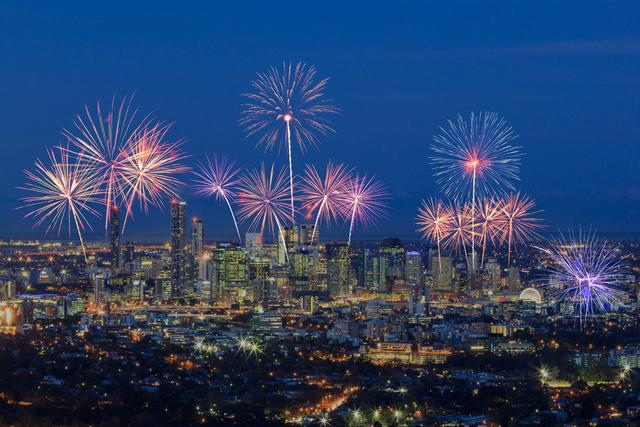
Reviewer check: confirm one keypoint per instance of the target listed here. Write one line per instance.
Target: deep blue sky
(564, 74)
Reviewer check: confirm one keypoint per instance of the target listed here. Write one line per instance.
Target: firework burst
(99, 140)
(287, 106)
(364, 201)
(517, 222)
(263, 199)
(475, 158)
(489, 217)
(218, 178)
(324, 196)
(63, 193)
(150, 168)
(434, 222)
(461, 230)
(586, 271)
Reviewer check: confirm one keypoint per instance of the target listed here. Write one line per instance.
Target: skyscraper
(129, 256)
(413, 268)
(114, 230)
(306, 232)
(337, 269)
(196, 238)
(177, 250)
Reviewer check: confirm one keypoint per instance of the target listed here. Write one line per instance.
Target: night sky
(565, 75)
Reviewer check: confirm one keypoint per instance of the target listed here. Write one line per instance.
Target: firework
(65, 192)
(364, 201)
(460, 230)
(516, 222)
(585, 272)
(489, 214)
(475, 158)
(324, 196)
(99, 140)
(434, 222)
(219, 178)
(287, 105)
(263, 199)
(150, 168)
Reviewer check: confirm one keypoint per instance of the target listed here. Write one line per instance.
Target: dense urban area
(300, 332)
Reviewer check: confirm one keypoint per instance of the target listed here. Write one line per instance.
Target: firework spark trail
(475, 158)
(364, 200)
(517, 222)
(490, 213)
(99, 140)
(586, 269)
(291, 102)
(461, 230)
(63, 192)
(434, 222)
(219, 178)
(324, 196)
(150, 169)
(263, 199)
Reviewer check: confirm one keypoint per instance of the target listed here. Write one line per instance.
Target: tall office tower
(114, 230)
(177, 249)
(373, 279)
(392, 257)
(196, 238)
(164, 285)
(306, 232)
(98, 289)
(443, 273)
(337, 269)
(492, 267)
(299, 272)
(413, 268)
(129, 256)
(229, 275)
(291, 237)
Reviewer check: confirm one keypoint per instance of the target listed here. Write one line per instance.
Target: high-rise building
(114, 230)
(306, 233)
(443, 273)
(492, 268)
(413, 268)
(373, 276)
(177, 249)
(337, 269)
(392, 257)
(229, 275)
(129, 256)
(196, 238)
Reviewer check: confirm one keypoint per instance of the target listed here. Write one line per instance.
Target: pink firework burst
(489, 213)
(218, 178)
(99, 141)
(364, 200)
(150, 169)
(63, 192)
(263, 197)
(324, 196)
(461, 230)
(434, 222)
(517, 222)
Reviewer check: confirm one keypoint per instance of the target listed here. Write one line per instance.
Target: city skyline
(320, 214)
